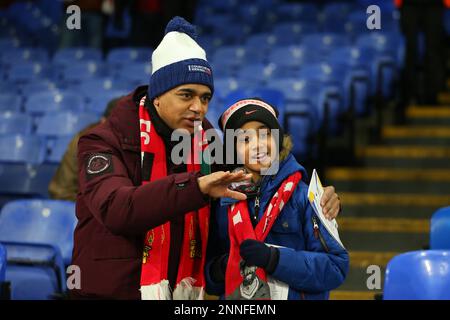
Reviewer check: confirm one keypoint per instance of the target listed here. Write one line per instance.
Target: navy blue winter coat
(311, 265)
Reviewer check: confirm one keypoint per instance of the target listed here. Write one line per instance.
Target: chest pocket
(288, 221)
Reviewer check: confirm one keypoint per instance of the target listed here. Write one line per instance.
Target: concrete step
(444, 98)
(357, 276)
(393, 200)
(384, 241)
(387, 180)
(384, 225)
(352, 295)
(405, 156)
(428, 115)
(430, 135)
(391, 205)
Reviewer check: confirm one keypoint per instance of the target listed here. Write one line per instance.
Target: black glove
(218, 268)
(256, 253)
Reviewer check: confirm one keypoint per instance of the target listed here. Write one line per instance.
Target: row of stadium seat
(36, 240)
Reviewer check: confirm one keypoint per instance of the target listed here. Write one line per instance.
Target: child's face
(254, 146)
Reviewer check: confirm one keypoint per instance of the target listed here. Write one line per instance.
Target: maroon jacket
(115, 211)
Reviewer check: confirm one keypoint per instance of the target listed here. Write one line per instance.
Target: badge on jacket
(98, 164)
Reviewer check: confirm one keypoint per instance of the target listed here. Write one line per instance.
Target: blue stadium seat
(358, 61)
(335, 76)
(22, 149)
(64, 123)
(382, 49)
(387, 43)
(440, 229)
(129, 55)
(236, 32)
(97, 86)
(303, 96)
(136, 73)
(331, 80)
(24, 180)
(5, 289)
(257, 74)
(210, 43)
(291, 33)
(324, 43)
(356, 24)
(8, 44)
(289, 60)
(305, 12)
(71, 55)
(418, 275)
(77, 72)
(334, 16)
(34, 87)
(223, 87)
(10, 102)
(115, 32)
(21, 55)
(230, 56)
(35, 271)
(233, 96)
(98, 102)
(253, 14)
(53, 101)
(2, 263)
(7, 86)
(41, 221)
(27, 72)
(272, 96)
(58, 149)
(261, 42)
(15, 123)
(210, 22)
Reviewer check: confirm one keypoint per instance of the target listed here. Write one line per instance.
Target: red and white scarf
(240, 228)
(190, 281)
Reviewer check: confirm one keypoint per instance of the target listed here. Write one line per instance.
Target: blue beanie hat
(178, 60)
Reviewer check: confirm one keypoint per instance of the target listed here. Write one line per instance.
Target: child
(303, 257)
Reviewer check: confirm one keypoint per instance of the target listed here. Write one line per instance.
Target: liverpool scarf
(190, 281)
(249, 282)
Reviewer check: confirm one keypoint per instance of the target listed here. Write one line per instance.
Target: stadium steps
(430, 115)
(444, 98)
(389, 200)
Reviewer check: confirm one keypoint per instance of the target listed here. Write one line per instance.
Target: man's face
(180, 107)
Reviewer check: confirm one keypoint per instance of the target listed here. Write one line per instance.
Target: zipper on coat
(318, 235)
(256, 209)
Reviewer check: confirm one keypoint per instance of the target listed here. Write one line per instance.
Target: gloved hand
(257, 253)
(218, 268)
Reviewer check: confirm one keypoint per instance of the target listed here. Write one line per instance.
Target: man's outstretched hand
(216, 184)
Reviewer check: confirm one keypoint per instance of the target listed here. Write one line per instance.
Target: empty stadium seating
(38, 236)
(418, 275)
(440, 230)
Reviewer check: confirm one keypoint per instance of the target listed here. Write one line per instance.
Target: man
(425, 16)
(142, 219)
(64, 184)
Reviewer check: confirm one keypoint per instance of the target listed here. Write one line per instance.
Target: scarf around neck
(190, 281)
(244, 282)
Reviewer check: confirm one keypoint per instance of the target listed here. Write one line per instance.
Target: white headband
(240, 104)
